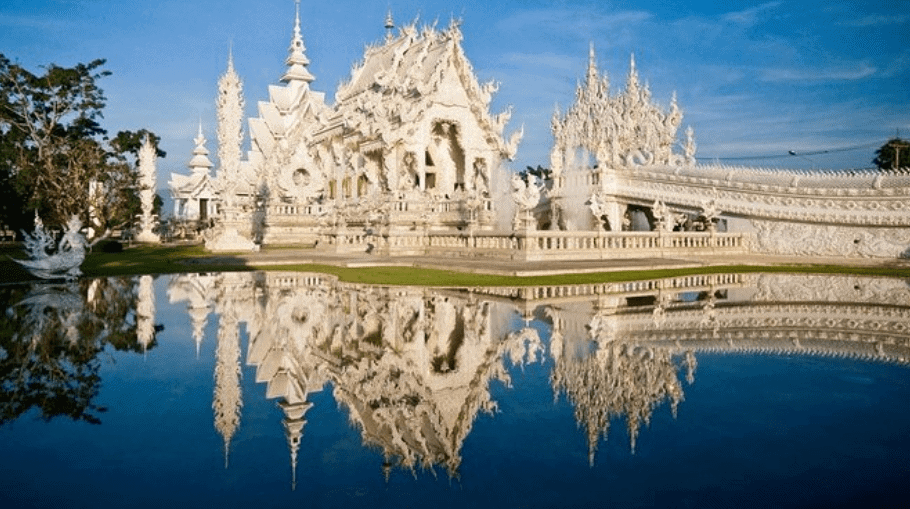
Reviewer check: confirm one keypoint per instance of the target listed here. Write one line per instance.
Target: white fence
(540, 245)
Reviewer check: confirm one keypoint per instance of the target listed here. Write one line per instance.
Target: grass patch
(181, 259)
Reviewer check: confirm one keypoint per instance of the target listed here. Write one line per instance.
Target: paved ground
(515, 268)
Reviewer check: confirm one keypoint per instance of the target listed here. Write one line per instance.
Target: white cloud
(873, 20)
(751, 16)
(857, 72)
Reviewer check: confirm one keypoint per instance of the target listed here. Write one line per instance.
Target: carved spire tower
(297, 60)
(230, 132)
(148, 175)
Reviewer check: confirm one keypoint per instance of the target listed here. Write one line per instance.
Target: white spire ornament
(226, 236)
(230, 134)
(200, 164)
(297, 60)
(148, 180)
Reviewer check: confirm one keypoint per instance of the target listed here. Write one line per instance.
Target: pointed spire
(591, 81)
(592, 62)
(633, 74)
(297, 60)
(199, 139)
(200, 163)
(230, 64)
(389, 25)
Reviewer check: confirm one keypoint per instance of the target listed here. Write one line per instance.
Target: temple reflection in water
(414, 366)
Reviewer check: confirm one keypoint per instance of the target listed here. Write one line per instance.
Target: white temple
(194, 195)
(409, 161)
(409, 144)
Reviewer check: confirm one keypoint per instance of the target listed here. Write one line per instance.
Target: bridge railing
(582, 245)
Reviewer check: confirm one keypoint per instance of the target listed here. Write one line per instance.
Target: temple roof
(404, 63)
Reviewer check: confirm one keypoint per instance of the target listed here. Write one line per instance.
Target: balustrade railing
(561, 245)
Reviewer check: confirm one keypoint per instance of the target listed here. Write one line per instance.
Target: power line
(791, 153)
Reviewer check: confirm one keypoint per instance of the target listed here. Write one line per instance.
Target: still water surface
(278, 390)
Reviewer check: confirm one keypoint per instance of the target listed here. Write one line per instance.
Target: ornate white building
(194, 196)
(613, 160)
(410, 144)
(408, 162)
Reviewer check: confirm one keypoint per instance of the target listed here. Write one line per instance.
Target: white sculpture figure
(526, 196)
(661, 216)
(711, 213)
(689, 147)
(147, 179)
(40, 241)
(65, 261)
(598, 205)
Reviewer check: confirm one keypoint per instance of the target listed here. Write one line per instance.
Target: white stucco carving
(830, 240)
(148, 176)
(50, 260)
(625, 130)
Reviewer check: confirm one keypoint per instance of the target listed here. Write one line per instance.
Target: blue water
(751, 431)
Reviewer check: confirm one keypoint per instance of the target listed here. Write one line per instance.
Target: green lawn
(171, 260)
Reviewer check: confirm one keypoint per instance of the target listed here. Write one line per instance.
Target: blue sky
(753, 79)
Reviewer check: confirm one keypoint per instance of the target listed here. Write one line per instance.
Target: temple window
(301, 177)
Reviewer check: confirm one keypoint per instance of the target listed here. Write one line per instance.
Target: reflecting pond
(280, 389)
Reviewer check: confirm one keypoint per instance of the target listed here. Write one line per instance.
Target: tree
(54, 153)
(542, 174)
(893, 155)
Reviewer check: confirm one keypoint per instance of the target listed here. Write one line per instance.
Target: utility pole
(897, 144)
